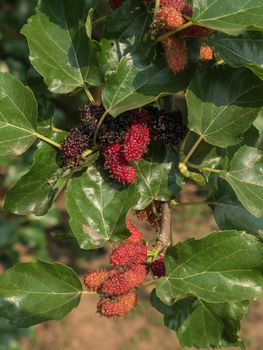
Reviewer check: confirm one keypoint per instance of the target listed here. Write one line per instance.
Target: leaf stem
(179, 29)
(90, 97)
(47, 140)
(157, 6)
(98, 128)
(87, 292)
(194, 147)
(199, 167)
(56, 129)
(98, 20)
(148, 283)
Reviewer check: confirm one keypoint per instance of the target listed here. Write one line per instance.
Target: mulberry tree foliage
(170, 91)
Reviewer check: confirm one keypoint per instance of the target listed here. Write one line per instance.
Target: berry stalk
(47, 140)
(104, 115)
(179, 29)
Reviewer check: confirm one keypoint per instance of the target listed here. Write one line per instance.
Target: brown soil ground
(85, 329)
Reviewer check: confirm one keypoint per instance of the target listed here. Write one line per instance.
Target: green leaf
(222, 103)
(243, 50)
(230, 213)
(245, 176)
(31, 293)
(201, 324)
(18, 116)
(36, 190)
(137, 82)
(98, 207)
(158, 176)
(221, 267)
(230, 17)
(125, 31)
(210, 156)
(60, 49)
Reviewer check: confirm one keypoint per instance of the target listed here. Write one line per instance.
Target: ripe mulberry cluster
(117, 286)
(124, 139)
(167, 127)
(118, 156)
(117, 165)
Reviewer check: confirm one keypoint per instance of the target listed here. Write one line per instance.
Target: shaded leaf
(31, 293)
(230, 213)
(243, 50)
(125, 31)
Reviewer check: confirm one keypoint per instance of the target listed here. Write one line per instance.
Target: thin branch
(194, 147)
(199, 167)
(90, 97)
(47, 140)
(104, 115)
(164, 236)
(179, 29)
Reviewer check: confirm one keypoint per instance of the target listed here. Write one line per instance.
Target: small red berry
(176, 53)
(136, 235)
(93, 280)
(170, 17)
(118, 307)
(179, 5)
(206, 53)
(129, 253)
(137, 138)
(117, 165)
(123, 282)
(158, 267)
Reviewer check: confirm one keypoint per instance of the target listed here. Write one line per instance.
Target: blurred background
(48, 238)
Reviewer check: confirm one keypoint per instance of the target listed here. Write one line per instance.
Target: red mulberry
(117, 165)
(123, 282)
(176, 53)
(136, 235)
(129, 253)
(119, 307)
(170, 18)
(137, 138)
(158, 267)
(93, 280)
(206, 53)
